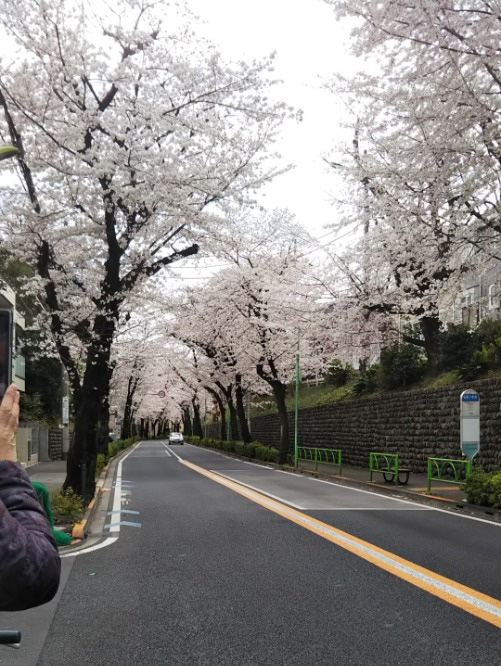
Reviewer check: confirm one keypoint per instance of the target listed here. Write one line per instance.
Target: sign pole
(470, 423)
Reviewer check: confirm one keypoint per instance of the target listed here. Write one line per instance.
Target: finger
(9, 398)
(14, 414)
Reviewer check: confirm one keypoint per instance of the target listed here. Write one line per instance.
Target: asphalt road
(213, 577)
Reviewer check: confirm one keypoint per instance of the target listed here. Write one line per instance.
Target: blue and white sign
(470, 423)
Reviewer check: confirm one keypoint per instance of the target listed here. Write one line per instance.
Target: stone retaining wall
(415, 424)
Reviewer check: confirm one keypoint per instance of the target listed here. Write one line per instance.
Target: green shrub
(250, 449)
(495, 490)
(266, 453)
(457, 346)
(101, 462)
(240, 448)
(489, 334)
(368, 380)
(66, 505)
(484, 488)
(477, 367)
(338, 373)
(119, 445)
(273, 454)
(402, 365)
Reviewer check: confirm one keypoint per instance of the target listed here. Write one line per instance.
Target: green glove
(8, 151)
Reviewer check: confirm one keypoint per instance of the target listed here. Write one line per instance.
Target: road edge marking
(467, 599)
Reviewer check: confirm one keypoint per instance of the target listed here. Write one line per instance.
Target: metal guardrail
(320, 456)
(385, 463)
(448, 471)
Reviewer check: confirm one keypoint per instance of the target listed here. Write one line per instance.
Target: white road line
(396, 499)
(168, 453)
(103, 544)
(363, 508)
(369, 492)
(246, 462)
(258, 490)
(117, 499)
(117, 505)
(175, 454)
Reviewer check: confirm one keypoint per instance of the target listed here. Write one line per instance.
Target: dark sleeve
(29, 562)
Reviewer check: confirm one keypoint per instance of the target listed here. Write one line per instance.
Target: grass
(313, 396)
(309, 396)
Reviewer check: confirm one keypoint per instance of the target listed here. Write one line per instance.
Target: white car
(176, 438)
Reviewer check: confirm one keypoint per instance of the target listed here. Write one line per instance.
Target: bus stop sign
(470, 423)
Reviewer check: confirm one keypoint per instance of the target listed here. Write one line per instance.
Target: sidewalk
(51, 474)
(447, 495)
(417, 484)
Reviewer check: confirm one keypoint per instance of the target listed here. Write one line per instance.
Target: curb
(453, 506)
(80, 529)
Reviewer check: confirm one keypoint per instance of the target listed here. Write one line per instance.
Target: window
(493, 301)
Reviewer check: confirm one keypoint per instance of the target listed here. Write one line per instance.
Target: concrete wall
(26, 455)
(415, 424)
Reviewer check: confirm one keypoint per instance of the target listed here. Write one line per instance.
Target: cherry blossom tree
(433, 108)
(131, 134)
(423, 169)
(262, 306)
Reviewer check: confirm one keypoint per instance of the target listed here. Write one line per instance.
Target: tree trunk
(81, 464)
(220, 405)
(228, 394)
(279, 390)
(197, 424)
(242, 418)
(187, 421)
(127, 418)
(430, 329)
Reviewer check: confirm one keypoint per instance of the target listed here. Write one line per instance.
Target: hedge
(252, 450)
(113, 448)
(484, 488)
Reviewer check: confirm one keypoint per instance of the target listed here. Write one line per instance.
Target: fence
(320, 456)
(448, 471)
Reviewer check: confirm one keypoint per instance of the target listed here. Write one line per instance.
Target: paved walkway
(51, 474)
(417, 484)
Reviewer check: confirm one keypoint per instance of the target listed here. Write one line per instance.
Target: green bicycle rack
(320, 456)
(448, 471)
(387, 464)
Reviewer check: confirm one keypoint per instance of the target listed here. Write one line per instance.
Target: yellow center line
(466, 598)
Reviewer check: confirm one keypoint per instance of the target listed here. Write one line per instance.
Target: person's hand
(9, 420)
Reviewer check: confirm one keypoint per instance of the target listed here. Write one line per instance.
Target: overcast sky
(310, 45)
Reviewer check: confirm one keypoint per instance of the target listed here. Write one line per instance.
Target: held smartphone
(5, 350)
